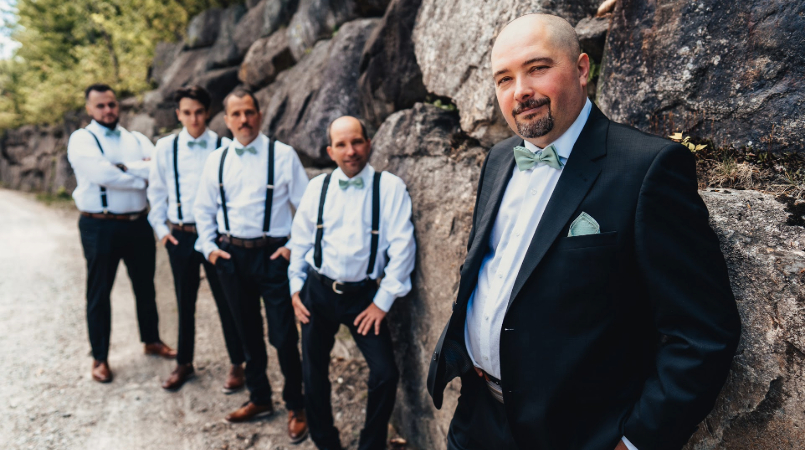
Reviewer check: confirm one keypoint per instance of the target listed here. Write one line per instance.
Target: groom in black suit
(594, 310)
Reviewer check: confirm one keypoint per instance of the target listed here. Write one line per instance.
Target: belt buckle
(335, 289)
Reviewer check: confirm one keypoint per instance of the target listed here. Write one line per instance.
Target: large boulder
(34, 158)
(316, 20)
(733, 72)
(218, 83)
(164, 55)
(426, 148)
(186, 66)
(390, 76)
(276, 14)
(453, 41)
(321, 87)
(592, 33)
(265, 59)
(203, 29)
(225, 51)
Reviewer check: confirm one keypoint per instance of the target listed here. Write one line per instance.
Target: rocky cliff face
(669, 65)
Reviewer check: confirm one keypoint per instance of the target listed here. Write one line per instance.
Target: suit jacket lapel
(582, 169)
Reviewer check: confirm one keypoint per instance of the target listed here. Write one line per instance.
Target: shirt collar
(367, 173)
(258, 143)
(102, 129)
(184, 136)
(564, 144)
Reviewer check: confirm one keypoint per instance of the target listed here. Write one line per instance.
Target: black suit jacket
(627, 332)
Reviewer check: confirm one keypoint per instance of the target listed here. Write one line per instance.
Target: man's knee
(384, 375)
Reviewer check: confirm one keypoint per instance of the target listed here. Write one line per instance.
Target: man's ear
(177, 113)
(330, 152)
(583, 64)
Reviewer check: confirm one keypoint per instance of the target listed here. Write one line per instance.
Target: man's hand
(171, 239)
(621, 446)
(122, 167)
(370, 316)
(215, 254)
(285, 252)
(299, 309)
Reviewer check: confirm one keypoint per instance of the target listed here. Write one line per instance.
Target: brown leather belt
(264, 241)
(126, 217)
(343, 287)
(186, 227)
(494, 386)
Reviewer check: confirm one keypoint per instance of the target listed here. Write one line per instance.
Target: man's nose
(522, 90)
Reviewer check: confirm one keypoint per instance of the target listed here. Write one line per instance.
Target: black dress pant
(105, 243)
(479, 422)
(250, 274)
(328, 310)
(185, 262)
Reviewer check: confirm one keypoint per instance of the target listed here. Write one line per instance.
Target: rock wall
(313, 60)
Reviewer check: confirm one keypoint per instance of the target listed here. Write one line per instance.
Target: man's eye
(503, 80)
(538, 69)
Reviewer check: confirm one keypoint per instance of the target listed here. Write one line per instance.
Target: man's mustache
(245, 125)
(530, 104)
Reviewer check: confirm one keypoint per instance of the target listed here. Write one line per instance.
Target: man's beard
(111, 125)
(538, 128)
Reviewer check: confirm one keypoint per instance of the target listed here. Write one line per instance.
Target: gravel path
(47, 398)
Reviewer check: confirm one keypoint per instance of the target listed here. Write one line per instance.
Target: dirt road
(47, 398)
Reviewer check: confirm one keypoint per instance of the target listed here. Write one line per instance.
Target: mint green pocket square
(583, 225)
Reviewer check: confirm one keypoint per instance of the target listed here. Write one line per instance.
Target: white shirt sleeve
(205, 208)
(158, 194)
(303, 234)
(299, 180)
(396, 281)
(88, 161)
(142, 167)
(628, 444)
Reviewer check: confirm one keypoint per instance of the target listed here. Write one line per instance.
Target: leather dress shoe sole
(229, 391)
(102, 380)
(179, 386)
(301, 438)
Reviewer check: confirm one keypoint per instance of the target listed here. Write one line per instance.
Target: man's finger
(377, 327)
(363, 325)
(276, 254)
(224, 255)
(359, 319)
(173, 240)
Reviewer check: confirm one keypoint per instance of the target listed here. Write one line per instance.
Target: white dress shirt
(125, 191)
(245, 181)
(162, 180)
(346, 242)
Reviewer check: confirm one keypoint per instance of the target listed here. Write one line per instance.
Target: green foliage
(67, 45)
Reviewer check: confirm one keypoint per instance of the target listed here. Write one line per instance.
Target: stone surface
(34, 158)
(225, 50)
(187, 65)
(164, 55)
(315, 20)
(203, 29)
(276, 14)
(217, 124)
(592, 33)
(390, 77)
(218, 83)
(453, 41)
(424, 147)
(265, 59)
(321, 87)
(143, 123)
(733, 72)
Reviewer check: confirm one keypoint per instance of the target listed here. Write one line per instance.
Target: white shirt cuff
(162, 231)
(296, 284)
(629, 445)
(384, 299)
(207, 248)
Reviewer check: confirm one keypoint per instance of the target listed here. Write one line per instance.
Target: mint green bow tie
(526, 159)
(357, 182)
(202, 144)
(241, 150)
(115, 133)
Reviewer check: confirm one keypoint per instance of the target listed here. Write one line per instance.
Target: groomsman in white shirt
(172, 188)
(353, 251)
(111, 167)
(243, 215)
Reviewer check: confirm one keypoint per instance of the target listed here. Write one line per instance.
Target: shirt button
(533, 192)
(487, 317)
(517, 233)
(486, 358)
(500, 275)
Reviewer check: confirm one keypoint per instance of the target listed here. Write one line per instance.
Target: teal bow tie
(241, 150)
(202, 144)
(526, 159)
(357, 182)
(115, 133)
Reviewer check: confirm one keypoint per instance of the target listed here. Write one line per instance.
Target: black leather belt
(264, 241)
(342, 287)
(186, 227)
(107, 216)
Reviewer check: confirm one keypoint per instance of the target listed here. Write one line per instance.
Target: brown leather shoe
(250, 411)
(235, 381)
(160, 349)
(101, 371)
(178, 377)
(297, 426)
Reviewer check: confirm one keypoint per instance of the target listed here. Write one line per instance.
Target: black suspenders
(375, 223)
(269, 188)
(176, 176)
(104, 203)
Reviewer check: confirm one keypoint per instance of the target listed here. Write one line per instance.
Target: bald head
(556, 30)
(349, 146)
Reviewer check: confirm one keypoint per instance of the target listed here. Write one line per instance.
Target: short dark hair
(360, 121)
(240, 93)
(194, 92)
(98, 87)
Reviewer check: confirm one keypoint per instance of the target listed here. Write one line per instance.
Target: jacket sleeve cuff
(628, 444)
(384, 299)
(296, 284)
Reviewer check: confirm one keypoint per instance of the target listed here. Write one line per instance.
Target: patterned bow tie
(357, 182)
(115, 133)
(526, 159)
(241, 150)
(202, 144)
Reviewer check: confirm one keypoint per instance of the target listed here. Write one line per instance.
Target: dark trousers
(185, 262)
(327, 311)
(246, 277)
(105, 243)
(479, 422)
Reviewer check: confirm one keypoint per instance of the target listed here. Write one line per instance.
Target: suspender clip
(181, 224)
(270, 186)
(375, 232)
(105, 211)
(319, 226)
